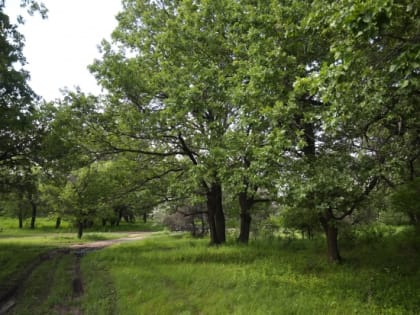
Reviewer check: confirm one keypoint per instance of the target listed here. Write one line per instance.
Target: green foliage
(303, 220)
(19, 136)
(312, 105)
(406, 199)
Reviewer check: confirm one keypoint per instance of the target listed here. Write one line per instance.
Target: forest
(243, 122)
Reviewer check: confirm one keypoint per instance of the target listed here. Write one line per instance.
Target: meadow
(176, 274)
(180, 275)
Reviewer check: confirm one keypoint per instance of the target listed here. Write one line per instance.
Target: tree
(176, 85)
(19, 133)
(406, 199)
(17, 100)
(368, 120)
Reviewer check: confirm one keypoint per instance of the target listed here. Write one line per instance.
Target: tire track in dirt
(10, 292)
(15, 287)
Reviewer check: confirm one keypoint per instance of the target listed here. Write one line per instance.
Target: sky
(59, 48)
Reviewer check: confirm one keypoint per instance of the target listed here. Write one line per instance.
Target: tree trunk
(80, 229)
(414, 218)
(331, 234)
(310, 232)
(33, 218)
(120, 215)
(309, 137)
(332, 242)
(58, 223)
(215, 214)
(212, 227)
(203, 224)
(193, 228)
(145, 217)
(245, 226)
(20, 217)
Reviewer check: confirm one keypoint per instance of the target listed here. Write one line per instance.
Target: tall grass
(169, 275)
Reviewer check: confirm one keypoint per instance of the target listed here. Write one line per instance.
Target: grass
(20, 247)
(48, 291)
(169, 275)
(9, 227)
(175, 274)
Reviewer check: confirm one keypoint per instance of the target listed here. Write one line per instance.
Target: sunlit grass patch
(167, 275)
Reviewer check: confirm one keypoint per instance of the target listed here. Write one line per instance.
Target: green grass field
(175, 274)
(19, 247)
(169, 275)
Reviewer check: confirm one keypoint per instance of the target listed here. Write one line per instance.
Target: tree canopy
(309, 108)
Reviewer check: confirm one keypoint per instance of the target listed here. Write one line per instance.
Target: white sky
(59, 49)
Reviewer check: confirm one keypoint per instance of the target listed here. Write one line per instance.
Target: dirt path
(13, 291)
(101, 244)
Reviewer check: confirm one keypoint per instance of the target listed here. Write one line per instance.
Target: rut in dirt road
(11, 292)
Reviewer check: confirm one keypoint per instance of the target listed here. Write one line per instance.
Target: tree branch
(191, 154)
(372, 184)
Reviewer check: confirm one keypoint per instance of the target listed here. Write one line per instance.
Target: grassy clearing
(20, 247)
(9, 227)
(179, 275)
(169, 275)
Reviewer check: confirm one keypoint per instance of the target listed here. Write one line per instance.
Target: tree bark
(193, 227)
(58, 223)
(245, 225)
(203, 224)
(80, 229)
(20, 217)
(331, 234)
(245, 228)
(332, 242)
(34, 210)
(216, 216)
(212, 227)
(117, 222)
